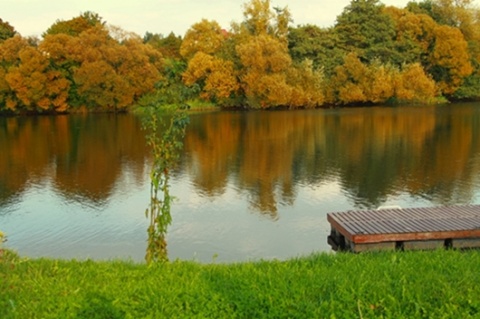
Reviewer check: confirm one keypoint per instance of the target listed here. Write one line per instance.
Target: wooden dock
(405, 229)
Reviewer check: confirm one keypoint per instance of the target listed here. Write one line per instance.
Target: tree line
(426, 52)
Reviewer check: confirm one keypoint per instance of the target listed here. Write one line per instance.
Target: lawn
(422, 284)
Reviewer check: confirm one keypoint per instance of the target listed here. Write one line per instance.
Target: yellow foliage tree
(459, 13)
(347, 85)
(380, 83)
(251, 63)
(217, 75)
(444, 50)
(412, 84)
(258, 16)
(9, 52)
(355, 82)
(108, 73)
(264, 60)
(205, 36)
(140, 66)
(307, 86)
(450, 59)
(29, 83)
(112, 75)
(205, 49)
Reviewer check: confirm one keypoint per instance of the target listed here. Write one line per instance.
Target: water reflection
(82, 156)
(374, 153)
(87, 175)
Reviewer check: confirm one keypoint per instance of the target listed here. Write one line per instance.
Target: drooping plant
(166, 129)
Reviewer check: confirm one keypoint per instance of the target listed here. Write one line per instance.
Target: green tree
(168, 46)
(76, 25)
(6, 30)
(310, 42)
(363, 28)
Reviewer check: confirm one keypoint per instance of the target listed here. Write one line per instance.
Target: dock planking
(407, 229)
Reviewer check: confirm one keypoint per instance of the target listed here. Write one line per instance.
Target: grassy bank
(439, 284)
(191, 106)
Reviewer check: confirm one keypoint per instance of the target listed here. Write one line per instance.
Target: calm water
(249, 186)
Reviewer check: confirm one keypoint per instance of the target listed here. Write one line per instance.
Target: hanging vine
(166, 130)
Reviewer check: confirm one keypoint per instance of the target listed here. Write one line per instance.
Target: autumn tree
(265, 61)
(443, 49)
(112, 75)
(413, 84)
(205, 36)
(142, 67)
(348, 85)
(462, 14)
(307, 84)
(37, 86)
(268, 77)
(356, 82)
(450, 60)
(94, 67)
(28, 81)
(216, 74)
(9, 58)
(206, 50)
(63, 52)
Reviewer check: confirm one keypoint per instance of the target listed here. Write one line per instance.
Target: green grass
(199, 105)
(435, 284)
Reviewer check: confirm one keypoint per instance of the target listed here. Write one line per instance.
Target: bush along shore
(425, 284)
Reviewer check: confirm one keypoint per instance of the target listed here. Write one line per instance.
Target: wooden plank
(339, 226)
(375, 238)
(413, 224)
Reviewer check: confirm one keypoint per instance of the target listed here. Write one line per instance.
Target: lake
(249, 185)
